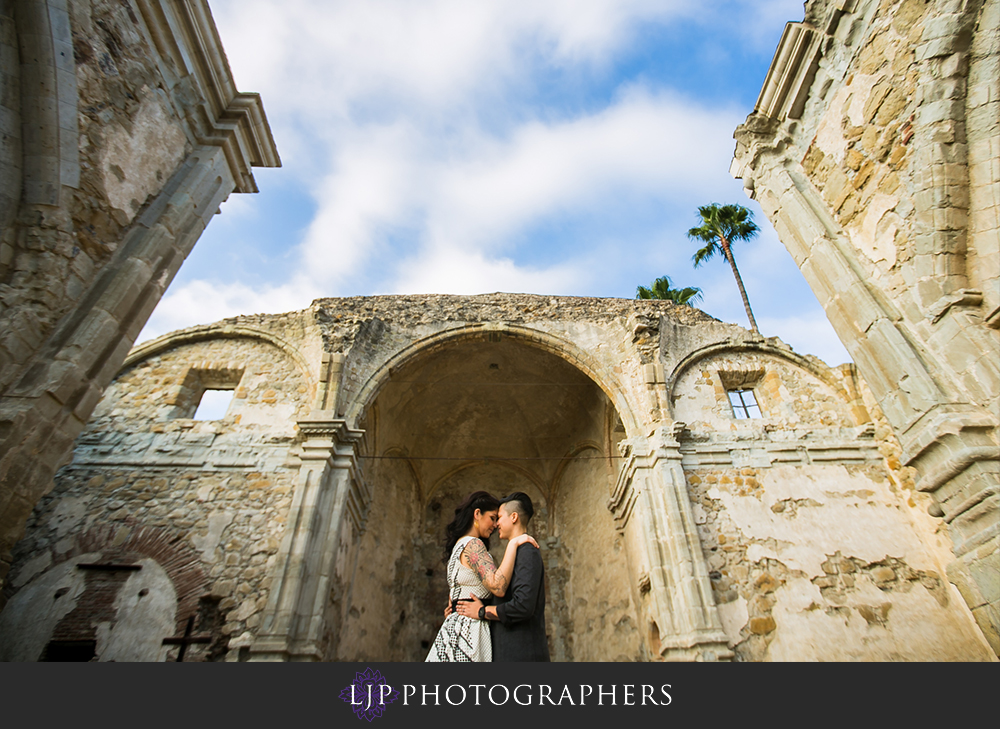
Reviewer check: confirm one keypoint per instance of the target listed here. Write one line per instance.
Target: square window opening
(744, 404)
(214, 404)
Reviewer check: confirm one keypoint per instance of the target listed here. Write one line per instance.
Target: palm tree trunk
(739, 283)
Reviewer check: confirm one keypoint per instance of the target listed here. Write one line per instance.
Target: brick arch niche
(119, 593)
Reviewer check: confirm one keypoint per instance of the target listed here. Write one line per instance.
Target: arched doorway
(500, 413)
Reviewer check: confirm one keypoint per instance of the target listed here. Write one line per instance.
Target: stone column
(652, 490)
(328, 509)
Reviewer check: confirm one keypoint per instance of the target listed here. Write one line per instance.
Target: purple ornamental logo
(369, 694)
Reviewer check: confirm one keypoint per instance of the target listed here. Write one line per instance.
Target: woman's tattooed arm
(481, 562)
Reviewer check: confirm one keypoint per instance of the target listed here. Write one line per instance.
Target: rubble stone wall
(221, 486)
(819, 558)
(824, 564)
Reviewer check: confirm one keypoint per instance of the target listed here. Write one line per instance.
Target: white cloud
(476, 194)
(644, 145)
(463, 204)
(415, 126)
(460, 271)
(434, 50)
(203, 302)
(374, 183)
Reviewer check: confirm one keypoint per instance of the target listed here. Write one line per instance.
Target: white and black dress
(462, 639)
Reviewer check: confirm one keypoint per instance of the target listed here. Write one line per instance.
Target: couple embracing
(478, 627)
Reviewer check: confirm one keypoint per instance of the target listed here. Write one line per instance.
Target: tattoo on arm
(481, 562)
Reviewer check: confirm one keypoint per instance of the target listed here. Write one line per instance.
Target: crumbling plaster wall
(789, 395)
(144, 607)
(823, 563)
(873, 149)
(827, 558)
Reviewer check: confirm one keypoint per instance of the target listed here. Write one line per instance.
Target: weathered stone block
(934, 49)
(944, 26)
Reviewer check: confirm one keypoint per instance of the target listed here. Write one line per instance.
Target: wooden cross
(187, 639)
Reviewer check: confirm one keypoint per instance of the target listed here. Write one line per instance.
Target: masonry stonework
(122, 134)
(306, 522)
(874, 148)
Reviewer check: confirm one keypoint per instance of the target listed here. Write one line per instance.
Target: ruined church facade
(701, 493)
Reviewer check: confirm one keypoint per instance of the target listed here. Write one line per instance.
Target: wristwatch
(482, 612)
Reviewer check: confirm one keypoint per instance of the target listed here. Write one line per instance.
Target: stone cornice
(738, 454)
(638, 453)
(790, 81)
(791, 74)
(190, 50)
(322, 424)
(793, 68)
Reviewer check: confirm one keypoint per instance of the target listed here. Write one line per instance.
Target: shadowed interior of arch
(501, 416)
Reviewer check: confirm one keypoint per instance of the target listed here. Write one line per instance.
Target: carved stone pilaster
(328, 388)
(330, 497)
(651, 495)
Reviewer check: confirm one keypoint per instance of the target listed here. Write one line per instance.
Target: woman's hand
(521, 539)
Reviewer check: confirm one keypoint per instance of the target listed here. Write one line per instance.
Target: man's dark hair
(521, 503)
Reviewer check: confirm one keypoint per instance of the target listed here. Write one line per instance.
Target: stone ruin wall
(816, 543)
(411, 596)
(224, 486)
(874, 150)
(893, 195)
(837, 560)
(130, 143)
(623, 333)
(123, 133)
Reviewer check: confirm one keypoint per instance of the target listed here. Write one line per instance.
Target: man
(517, 620)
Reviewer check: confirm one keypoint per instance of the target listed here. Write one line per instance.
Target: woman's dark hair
(482, 500)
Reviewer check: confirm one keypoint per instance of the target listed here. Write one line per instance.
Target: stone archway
(503, 414)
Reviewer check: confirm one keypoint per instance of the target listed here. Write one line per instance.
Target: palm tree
(661, 288)
(721, 226)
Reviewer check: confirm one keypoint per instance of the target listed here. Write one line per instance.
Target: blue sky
(473, 146)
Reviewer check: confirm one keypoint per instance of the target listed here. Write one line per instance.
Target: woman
(471, 571)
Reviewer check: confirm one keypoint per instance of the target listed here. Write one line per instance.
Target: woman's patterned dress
(460, 638)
